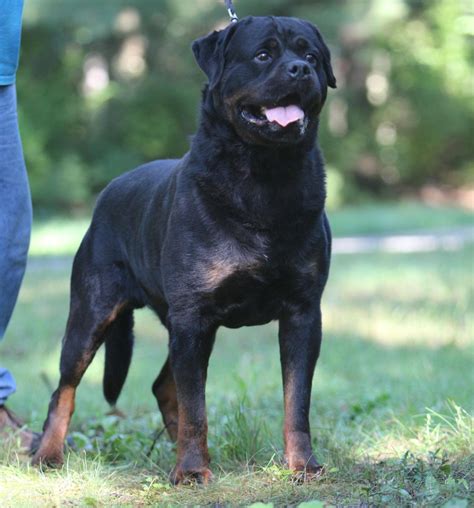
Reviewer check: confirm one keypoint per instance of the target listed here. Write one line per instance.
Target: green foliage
(106, 86)
(244, 435)
(363, 408)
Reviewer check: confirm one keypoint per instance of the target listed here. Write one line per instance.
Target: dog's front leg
(190, 347)
(300, 341)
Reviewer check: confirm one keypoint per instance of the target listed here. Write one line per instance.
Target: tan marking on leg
(168, 404)
(112, 316)
(192, 463)
(51, 448)
(298, 449)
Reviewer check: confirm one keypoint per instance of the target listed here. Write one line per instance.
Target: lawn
(60, 236)
(392, 397)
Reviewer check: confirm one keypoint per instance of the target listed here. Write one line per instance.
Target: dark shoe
(13, 430)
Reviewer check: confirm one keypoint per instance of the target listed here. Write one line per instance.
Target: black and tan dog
(233, 234)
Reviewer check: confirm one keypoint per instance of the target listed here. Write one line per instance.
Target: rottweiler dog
(233, 234)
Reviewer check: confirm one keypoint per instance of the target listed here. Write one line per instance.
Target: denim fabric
(10, 34)
(7, 385)
(15, 218)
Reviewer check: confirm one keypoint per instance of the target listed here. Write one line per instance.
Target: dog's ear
(326, 57)
(209, 52)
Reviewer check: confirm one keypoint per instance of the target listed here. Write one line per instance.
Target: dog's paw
(305, 470)
(307, 474)
(43, 458)
(115, 411)
(182, 476)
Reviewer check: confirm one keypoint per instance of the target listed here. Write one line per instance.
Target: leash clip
(231, 11)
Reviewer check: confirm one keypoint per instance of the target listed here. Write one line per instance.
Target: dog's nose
(299, 69)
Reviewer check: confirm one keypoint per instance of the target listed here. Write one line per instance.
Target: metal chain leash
(230, 9)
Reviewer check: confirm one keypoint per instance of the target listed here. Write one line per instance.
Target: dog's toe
(180, 476)
(50, 459)
(307, 473)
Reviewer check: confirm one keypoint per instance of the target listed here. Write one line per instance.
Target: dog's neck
(263, 185)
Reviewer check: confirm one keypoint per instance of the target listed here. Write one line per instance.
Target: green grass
(56, 236)
(391, 413)
(400, 216)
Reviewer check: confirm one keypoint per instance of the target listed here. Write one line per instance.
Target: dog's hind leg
(164, 390)
(96, 302)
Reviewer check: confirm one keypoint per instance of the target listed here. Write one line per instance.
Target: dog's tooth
(302, 124)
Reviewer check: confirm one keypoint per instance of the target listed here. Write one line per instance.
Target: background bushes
(104, 86)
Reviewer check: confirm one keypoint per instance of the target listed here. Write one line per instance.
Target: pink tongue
(284, 116)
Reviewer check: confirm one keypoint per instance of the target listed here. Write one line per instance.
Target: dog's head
(268, 76)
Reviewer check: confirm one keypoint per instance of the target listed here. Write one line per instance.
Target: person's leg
(7, 385)
(15, 207)
(15, 227)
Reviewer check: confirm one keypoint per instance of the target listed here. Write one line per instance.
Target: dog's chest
(248, 288)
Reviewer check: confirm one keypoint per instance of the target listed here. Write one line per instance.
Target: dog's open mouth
(281, 114)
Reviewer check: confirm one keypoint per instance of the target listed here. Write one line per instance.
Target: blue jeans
(15, 219)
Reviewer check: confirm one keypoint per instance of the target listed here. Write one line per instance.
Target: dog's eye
(310, 58)
(263, 56)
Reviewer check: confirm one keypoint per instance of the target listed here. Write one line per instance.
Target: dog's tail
(118, 355)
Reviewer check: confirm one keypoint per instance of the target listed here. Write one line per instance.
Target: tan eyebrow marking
(272, 43)
(302, 43)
